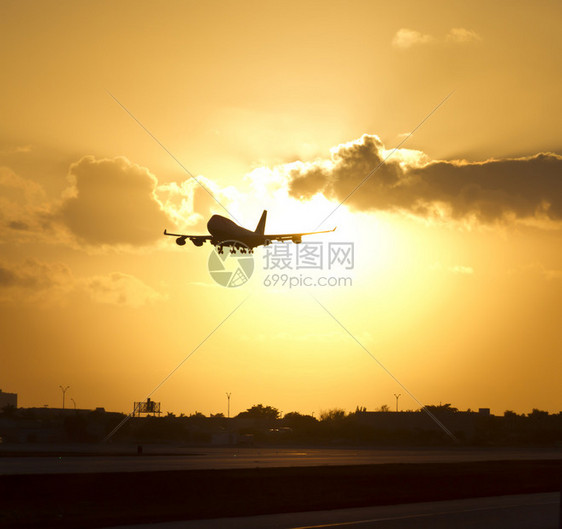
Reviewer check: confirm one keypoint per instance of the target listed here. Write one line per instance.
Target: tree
(335, 414)
(538, 414)
(261, 412)
(303, 427)
(297, 420)
(442, 408)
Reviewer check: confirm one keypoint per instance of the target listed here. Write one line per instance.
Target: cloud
(408, 38)
(462, 35)
(537, 269)
(21, 206)
(35, 282)
(457, 269)
(189, 204)
(16, 149)
(112, 202)
(177, 201)
(109, 202)
(34, 275)
(120, 289)
(488, 192)
(494, 190)
(14, 186)
(53, 284)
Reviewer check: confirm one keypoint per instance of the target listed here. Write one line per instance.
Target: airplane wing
(198, 240)
(295, 237)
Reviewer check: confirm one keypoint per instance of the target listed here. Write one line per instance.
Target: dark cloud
(34, 275)
(18, 225)
(488, 191)
(53, 283)
(8, 278)
(112, 202)
(496, 189)
(20, 204)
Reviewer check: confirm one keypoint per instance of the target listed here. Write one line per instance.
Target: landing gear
(234, 246)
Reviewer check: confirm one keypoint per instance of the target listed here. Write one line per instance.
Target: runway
(529, 511)
(97, 459)
(257, 483)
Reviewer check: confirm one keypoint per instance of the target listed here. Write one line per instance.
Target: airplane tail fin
(260, 229)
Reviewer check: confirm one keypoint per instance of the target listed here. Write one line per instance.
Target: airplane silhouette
(224, 232)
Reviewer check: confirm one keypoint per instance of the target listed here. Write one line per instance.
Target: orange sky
(457, 276)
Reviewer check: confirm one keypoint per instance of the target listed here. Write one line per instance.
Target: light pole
(73, 402)
(228, 409)
(63, 394)
(397, 397)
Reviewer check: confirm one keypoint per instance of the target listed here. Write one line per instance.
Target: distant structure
(148, 406)
(8, 399)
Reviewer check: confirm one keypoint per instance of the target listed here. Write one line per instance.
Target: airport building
(8, 399)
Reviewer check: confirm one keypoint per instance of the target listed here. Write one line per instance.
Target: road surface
(530, 511)
(94, 460)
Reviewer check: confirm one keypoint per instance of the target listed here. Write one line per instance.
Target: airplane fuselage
(225, 230)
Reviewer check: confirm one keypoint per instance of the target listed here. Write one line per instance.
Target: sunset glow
(296, 108)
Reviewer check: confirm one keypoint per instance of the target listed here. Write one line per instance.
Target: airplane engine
(180, 241)
(197, 243)
(297, 240)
